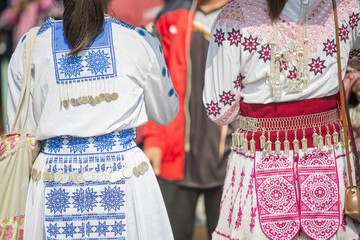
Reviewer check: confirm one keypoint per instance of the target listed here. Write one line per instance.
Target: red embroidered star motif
(213, 108)
(317, 66)
(234, 37)
(344, 33)
(227, 98)
(219, 37)
(250, 44)
(293, 73)
(330, 47)
(354, 20)
(238, 81)
(265, 53)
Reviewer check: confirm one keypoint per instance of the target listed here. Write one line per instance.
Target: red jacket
(175, 27)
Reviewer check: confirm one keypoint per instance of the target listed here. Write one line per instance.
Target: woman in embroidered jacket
(95, 79)
(272, 66)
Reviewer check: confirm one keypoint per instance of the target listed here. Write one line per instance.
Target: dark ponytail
(275, 8)
(83, 22)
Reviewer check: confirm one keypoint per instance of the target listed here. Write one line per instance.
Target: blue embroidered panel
(119, 22)
(46, 25)
(99, 163)
(90, 210)
(97, 61)
(108, 143)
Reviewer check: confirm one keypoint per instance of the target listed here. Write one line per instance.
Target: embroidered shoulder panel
(121, 23)
(97, 61)
(253, 15)
(46, 25)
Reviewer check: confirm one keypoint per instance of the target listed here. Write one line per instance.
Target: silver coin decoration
(88, 176)
(57, 177)
(127, 173)
(136, 172)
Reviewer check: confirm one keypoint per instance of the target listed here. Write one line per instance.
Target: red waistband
(288, 109)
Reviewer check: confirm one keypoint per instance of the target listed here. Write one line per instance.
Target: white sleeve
(161, 100)
(15, 77)
(221, 94)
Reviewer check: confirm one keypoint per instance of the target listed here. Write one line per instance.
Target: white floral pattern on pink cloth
(12, 228)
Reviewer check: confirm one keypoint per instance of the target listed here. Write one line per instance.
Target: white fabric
(143, 90)
(234, 74)
(226, 61)
(146, 216)
(348, 230)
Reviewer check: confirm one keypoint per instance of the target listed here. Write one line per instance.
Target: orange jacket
(175, 26)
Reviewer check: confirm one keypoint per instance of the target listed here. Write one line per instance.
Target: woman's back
(118, 82)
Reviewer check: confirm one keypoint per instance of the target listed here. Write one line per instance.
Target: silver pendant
(304, 146)
(277, 146)
(252, 147)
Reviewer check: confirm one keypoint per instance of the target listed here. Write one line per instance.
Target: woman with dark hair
(272, 66)
(94, 80)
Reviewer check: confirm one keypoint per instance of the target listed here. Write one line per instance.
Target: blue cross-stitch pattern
(54, 144)
(84, 200)
(69, 230)
(119, 22)
(126, 136)
(104, 142)
(97, 62)
(112, 198)
(70, 65)
(102, 228)
(88, 229)
(77, 144)
(82, 229)
(118, 228)
(57, 200)
(53, 230)
(46, 25)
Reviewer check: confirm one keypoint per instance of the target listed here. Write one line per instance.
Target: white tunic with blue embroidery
(91, 181)
(130, 56)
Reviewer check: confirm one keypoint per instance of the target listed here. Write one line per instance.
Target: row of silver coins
(90, 99)
(91, 176)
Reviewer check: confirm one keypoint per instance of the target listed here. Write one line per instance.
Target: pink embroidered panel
(319, 194)
(276, 196)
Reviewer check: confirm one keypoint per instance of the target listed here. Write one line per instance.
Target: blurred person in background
(21, 15)
(189, 155)
(352, 94)
(16, 18)
(4, 36)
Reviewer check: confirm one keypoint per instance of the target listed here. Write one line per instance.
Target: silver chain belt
(250, 124)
